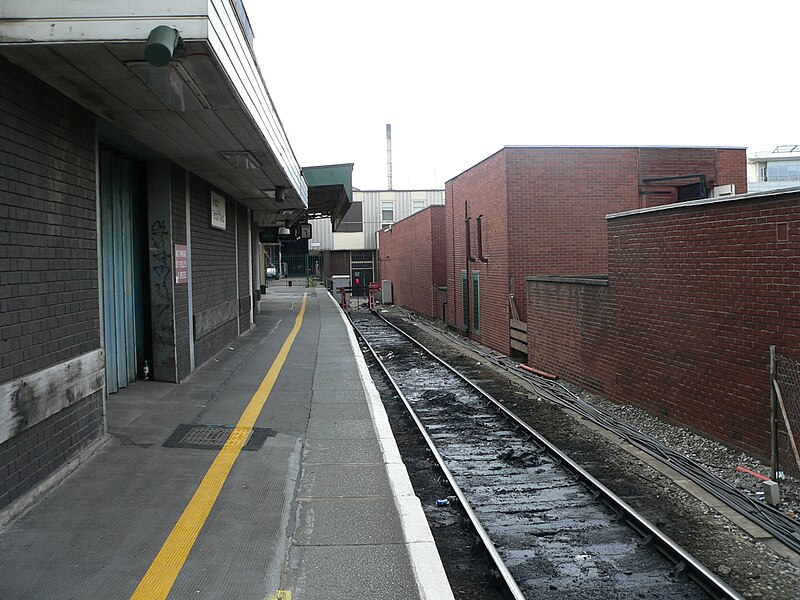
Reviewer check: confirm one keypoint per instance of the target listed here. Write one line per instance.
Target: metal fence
(785, 393)
(294, 269)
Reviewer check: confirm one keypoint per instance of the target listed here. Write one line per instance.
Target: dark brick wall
(243, 249)
(696, 296)
(49, 298)
(49, 307)
(213, 267)
(413, 257)
(29, 458)
(181, 297)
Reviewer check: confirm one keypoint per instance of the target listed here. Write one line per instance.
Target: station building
(351, 248)
(142, 160)
(528, 211)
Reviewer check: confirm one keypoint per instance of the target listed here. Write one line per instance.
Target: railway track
(552, 529)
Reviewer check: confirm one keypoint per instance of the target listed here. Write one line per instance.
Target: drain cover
(214, 437)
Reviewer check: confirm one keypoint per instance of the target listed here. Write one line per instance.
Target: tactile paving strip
(214, 437)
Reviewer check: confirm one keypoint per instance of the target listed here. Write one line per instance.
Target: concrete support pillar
(162, 275)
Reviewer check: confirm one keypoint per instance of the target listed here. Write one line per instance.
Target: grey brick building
(133, 189)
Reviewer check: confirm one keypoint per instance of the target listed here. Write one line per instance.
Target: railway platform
(181, 500)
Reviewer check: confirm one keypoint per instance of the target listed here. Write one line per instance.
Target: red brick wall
(697, 295)
(438, 245)
(671, 162)
(570, 330)
(732, 168)
(483, 188)
(544, 212)
(412, 257)
(558, 200)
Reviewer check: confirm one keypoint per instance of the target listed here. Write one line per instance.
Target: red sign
(181, 263)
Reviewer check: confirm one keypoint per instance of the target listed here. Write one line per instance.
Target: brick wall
(439, 246)
(544, 213)
(696, 295)
(32, 456)
(49, 299)
(732, 168)
(484, 189)
(571, 329)
(701, 293)
(558, 199)
(213, 268)
(412, 257)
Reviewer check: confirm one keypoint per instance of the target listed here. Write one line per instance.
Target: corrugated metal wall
(403, 202)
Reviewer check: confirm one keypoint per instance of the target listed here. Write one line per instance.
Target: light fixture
(284, 231)
(161, 43)
(280, 194)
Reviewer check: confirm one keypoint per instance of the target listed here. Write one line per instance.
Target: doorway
(126, 311)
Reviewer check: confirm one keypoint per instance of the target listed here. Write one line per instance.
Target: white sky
(458, 80)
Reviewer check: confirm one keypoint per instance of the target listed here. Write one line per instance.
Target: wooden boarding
(518, 335)
(37, 396)
(518, 325)
(518, 346)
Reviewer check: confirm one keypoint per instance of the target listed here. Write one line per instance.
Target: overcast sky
(458, 80)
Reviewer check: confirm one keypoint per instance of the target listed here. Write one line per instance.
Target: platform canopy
(330, 191)
(207, 109)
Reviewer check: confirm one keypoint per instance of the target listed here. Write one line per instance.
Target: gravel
(716, 457)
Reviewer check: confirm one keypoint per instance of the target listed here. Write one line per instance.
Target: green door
(121, 206)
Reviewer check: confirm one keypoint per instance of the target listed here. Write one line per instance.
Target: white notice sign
(217, 210)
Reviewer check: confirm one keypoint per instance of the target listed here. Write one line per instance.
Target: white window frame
(387, 205)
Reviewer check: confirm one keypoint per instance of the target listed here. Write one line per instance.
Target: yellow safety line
(164, 570)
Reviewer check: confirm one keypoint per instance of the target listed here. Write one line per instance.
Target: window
(784, 170)
(417, 205)
(387, 213)
(465, 300)
(476, 301)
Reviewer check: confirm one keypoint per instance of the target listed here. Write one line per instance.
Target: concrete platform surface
(323, 508)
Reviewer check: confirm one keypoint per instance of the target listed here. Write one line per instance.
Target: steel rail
(685, 563)
(502, 569)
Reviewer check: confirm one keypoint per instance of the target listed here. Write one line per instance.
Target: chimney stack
(389, 153)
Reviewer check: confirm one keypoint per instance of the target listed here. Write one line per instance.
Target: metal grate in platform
(214, 437)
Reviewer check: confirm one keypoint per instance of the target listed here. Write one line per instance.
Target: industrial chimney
(389, 153)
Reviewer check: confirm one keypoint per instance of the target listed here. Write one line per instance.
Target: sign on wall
(217, 210)
(181, 263)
